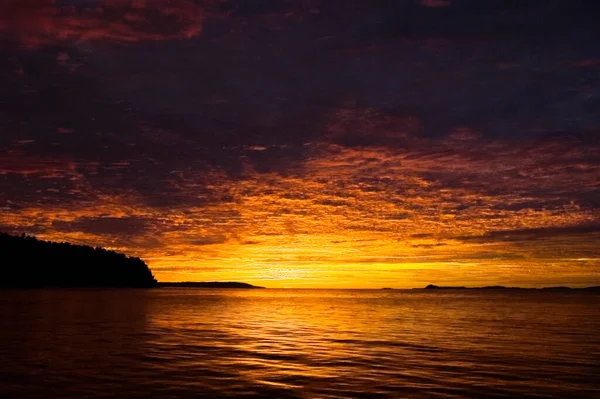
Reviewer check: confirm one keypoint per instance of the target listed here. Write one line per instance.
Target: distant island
(501, 287)
(210, 284)
(32, 263)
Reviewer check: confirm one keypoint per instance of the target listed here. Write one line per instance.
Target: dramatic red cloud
(306, 143)
(464, 209)
(16, 163)
(39, 22)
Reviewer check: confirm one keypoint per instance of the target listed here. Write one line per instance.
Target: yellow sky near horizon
(351, 218)
(306, 143)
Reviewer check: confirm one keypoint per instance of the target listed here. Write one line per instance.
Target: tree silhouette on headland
(31, 263)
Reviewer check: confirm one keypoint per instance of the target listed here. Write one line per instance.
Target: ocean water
(184, 343)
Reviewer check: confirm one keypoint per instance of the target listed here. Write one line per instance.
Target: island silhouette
(33, 263)
(209, 284)
(501, 287)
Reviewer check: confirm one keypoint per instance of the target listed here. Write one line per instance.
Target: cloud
(428, 246)
(34, 23)
(209, 240)
(16, 162)
(116, 226)
(290, 139)
(533, 234)
(436, 3)
(355, 126)
(422, 235)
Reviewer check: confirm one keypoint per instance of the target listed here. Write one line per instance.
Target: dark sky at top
(189, 131)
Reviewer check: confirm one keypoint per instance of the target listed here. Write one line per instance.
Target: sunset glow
(289, 147)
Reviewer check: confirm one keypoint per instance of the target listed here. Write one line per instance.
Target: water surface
(171, 343)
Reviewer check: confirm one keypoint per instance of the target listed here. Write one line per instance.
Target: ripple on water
(174, 343)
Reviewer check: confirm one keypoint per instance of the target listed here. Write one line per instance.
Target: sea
(279, 343)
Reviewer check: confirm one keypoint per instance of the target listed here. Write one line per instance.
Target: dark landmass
(32, 263)
(501, 287)
(387, 288)
(435, 287)
(210, 284)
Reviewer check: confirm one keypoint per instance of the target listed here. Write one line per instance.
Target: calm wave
(171, 343)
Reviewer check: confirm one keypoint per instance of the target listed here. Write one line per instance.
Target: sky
(309, 143)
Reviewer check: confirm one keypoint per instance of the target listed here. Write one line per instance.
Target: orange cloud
(366, 216)
(358, 213)
(41, 22)
(16, 163)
